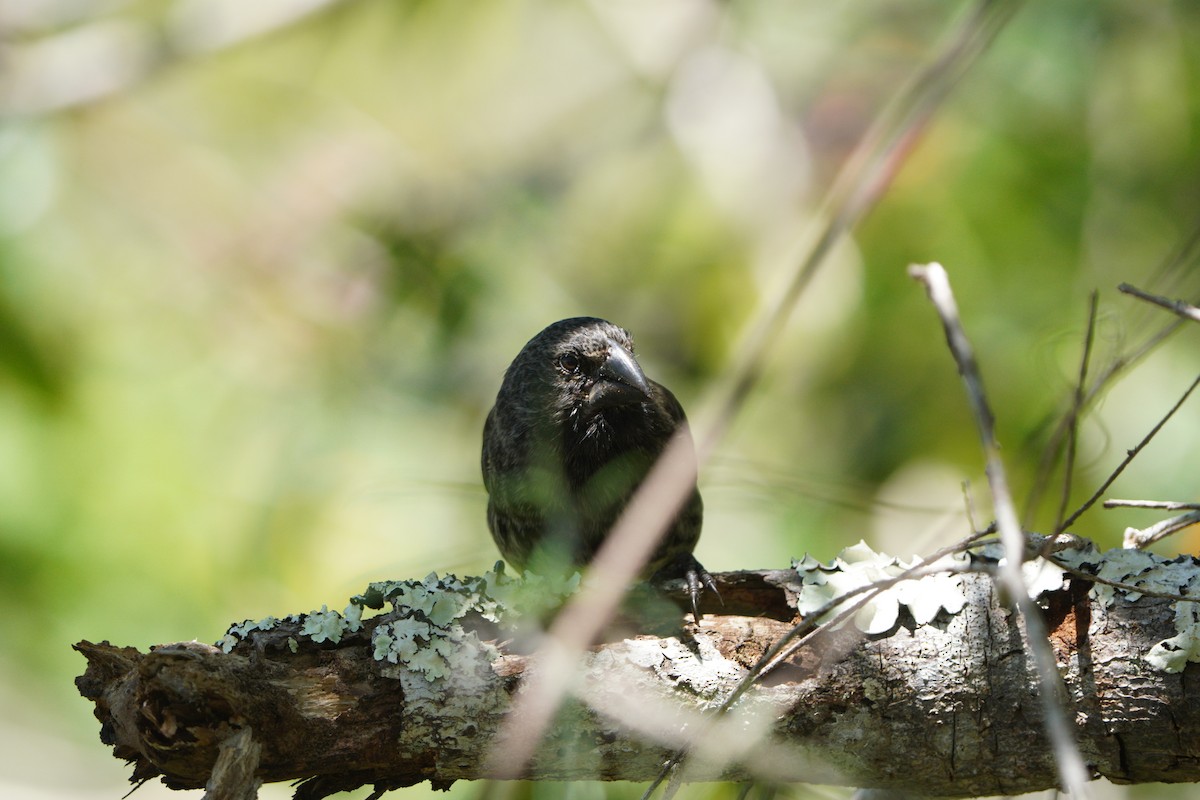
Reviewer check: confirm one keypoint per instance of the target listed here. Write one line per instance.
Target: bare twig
(1117, 366)
(1076, 409)
(1183, 253)
(866, 175)
(1072, 771)
(969, 504)
(1129, 456)
(1145, 537)
(1180, 307)
(1162, 505)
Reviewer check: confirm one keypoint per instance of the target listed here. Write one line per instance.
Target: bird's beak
(620, 381)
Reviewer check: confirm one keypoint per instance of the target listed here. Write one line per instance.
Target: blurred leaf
(26, 359)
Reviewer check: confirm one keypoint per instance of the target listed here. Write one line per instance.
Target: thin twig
(1072, 771)
(1181, 307)
(1075, 412)
(1129, 457)
(867, 173)
(1117, 366)
(969, 504)
(1161, 505)
(1139, 539)
(1182, 254)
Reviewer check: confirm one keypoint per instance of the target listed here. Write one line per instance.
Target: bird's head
(579, 368)
(594, 368)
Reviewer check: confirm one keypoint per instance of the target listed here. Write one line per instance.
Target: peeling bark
(949, 708)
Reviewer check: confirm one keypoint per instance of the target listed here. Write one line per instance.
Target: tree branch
(941, 703)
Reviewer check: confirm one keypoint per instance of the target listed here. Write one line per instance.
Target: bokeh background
(263, 264)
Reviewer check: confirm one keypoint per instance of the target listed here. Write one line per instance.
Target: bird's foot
(686, 567)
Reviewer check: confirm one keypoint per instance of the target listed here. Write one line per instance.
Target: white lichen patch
(330, 626)
(1138, 571)
(1147, 572)
(1172, 655)
(1042, 576)
(319, 626)
(859, 566)
(241, 630)
(1039, 575)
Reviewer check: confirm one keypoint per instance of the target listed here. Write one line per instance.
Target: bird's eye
(569, 363)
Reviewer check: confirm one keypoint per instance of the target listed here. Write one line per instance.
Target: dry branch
(946, 708)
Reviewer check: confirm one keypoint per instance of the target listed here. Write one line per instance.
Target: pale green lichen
(1172, 655)
(1179, 576)
(426, 632)
(324, 626)
(427, 635)
(319, 626)
(859, 566)
(400, 640)
(241, 630)
(1042, 576)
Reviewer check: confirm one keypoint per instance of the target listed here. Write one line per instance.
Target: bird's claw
(698, 579)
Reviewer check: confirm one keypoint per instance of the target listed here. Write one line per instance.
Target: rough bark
(947, 708)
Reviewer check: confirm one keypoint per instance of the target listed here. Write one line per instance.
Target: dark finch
(576, 427)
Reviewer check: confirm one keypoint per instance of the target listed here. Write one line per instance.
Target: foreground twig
(866, 175)
(1070, 763)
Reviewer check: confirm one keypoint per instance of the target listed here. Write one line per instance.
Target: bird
(574, 430)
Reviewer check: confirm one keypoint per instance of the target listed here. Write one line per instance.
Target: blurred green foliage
(257, 290)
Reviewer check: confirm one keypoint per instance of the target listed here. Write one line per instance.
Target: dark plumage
(575, 428)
